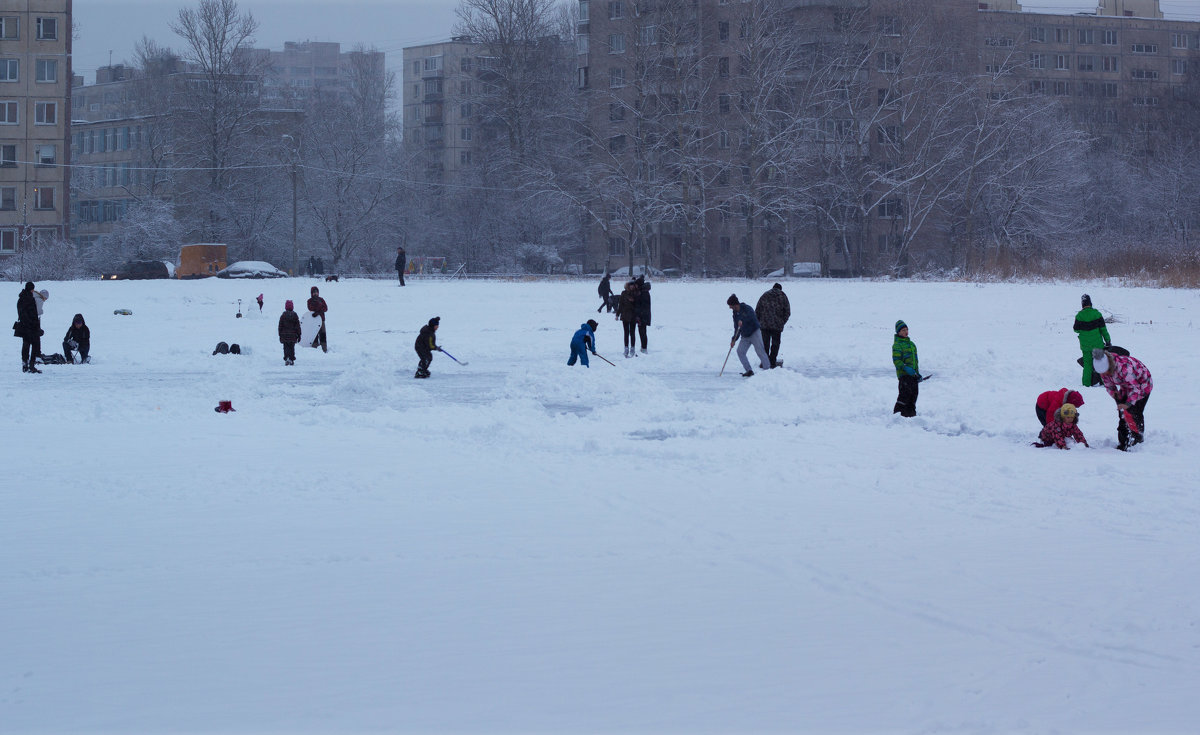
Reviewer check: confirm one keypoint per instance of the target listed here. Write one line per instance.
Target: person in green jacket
(904, 357)
(1089, 325)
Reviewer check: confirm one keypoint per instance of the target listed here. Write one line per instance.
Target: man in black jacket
(605, 291)
(401, 263)
(773, 310)
(29, 329)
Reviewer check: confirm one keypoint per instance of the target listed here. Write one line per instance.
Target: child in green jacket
(1089, 325)
(904, 357)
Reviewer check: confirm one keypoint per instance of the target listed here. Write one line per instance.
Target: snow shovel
(452, 357)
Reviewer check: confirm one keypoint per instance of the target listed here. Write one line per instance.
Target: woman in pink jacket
(1128, 381)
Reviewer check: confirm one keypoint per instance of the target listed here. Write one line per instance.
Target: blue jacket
(749, 321)
(582, 337)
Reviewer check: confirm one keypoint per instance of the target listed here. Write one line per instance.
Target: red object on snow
(224, 407)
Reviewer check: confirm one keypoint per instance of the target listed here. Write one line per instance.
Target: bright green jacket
(1089, 325)
(904, 356)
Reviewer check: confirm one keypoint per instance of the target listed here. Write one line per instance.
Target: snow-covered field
(518, 546)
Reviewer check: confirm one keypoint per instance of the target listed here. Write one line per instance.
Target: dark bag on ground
(55, 359)
(1113, 349)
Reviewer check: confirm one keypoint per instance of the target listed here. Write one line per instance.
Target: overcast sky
(388, 25)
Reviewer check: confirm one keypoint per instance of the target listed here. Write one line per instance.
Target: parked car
(799, 270)
(138, 270)
(251, 269)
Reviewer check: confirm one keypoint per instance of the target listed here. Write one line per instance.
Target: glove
(439, 349)
(909, 371)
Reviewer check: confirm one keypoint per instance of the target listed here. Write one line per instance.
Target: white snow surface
(519, 546)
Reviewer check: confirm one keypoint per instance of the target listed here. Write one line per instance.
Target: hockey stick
(925, 377)
(447, 354)
(727, 354)
(602, 357)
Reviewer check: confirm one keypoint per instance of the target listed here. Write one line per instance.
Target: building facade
(438, 83)
(35, 109)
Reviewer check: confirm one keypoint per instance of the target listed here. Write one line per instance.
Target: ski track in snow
(514, 545)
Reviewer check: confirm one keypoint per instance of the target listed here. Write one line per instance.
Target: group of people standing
(631, 308)
(28, 327)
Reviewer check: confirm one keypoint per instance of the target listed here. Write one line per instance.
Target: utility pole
(293, 154)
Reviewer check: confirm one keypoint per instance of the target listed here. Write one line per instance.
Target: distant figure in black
(29, 329)
(641, 307)
(289, 332)
(401, 263)
(606, 292)
(425, 345)
(78, 337)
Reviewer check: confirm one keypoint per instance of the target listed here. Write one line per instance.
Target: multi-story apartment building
(303, 67)
(35, 107)
(439, 81)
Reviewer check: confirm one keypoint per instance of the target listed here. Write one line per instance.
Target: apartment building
(439, 82)
(304, 67)
(35, 108)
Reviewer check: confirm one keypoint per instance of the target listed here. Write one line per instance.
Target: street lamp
(293, 154)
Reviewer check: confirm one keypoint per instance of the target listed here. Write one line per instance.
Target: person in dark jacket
(401, 263)
(425, 346)
(627, 313)
(78, 337)
(904, 357)
(583, 340)
(289, 332)
(773, 311)
(605, 291)
(318, 307)
(641, 306)
(1089, 326)
(29, 329)
(745, 327)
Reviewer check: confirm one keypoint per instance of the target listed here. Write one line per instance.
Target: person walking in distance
(904, 357)
(1089, 326)
(773, 311)
(289, 332)
(318, 307)
(605, 291)
(29, 329)
(745, 327)
(401, 263)
(425, 346)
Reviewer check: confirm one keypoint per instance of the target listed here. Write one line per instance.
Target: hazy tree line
(794, 141)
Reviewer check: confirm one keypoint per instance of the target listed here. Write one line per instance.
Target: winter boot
(626, 352)
(33, 368)
(748, 373)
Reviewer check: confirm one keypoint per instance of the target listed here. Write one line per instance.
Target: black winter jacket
(27, 315)
(426, 341)
(82, 335)
(289, 327)
(641, 304)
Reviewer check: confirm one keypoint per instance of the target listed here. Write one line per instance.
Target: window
(1144, 101)
(616, 246)
(616, 43)
(1062, 89)
(583, 77)
(1179, 40)
(1037, 34)
(648, 35)
(616, 112)
(1062, 62)
(1037, 61)
(124, 139)
(45, 113)
(889, 61)
(464, 64)
(10, 70)
(1087, 35)
(723, 103)
(8, 156)
(1110, 117)
(464, 133)
(616, 76)
(432, 63)
(1037, 86)
(8, 112)
(47, 70)
(723, 31)
(1178, 66)
(616, 144)
(1143, 73)
(582, 43)
(583, 11)
(417, 68)
(723, 67)
(889, 25)
(891, 208)
(1085, 89)
(464, 158)
(8, 241)
(8, 198)
(615, 10)
(1087, 62)
(1144, 48)
(998, 41)
(9, 28)
(45, 155)
(43, 197)
(47, 29)
(1062, 35)
(889, 135)
(1109, 90)
(1110, 63)
(1108, 38)
(723, 139)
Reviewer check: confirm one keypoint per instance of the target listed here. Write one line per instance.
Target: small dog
(331, 278)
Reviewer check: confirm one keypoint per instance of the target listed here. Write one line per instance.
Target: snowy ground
(516, 546)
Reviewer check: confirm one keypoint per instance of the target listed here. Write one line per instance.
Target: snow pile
(515, 545)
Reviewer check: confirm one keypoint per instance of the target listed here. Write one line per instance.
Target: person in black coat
(78, 337)
(606, 292)
(401, 263)
(425, 345)
(641, 308)
(289, 332)
(29, 329)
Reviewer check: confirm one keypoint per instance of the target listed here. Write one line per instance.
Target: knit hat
(314, 291)
(1100, 360)
(777, 287)
(288, 305)
(29, 285)
(44, 294)
(900, 325)
(1075, 398)
(732, 300)
(1086, 301)
(593, 324)
(435, 321)
(1068, 412)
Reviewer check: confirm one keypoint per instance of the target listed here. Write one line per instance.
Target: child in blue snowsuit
(584, 340)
